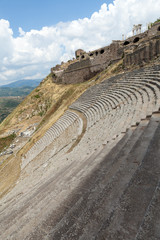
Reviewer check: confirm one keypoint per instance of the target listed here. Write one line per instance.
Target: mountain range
(23, 83)
(19, 88)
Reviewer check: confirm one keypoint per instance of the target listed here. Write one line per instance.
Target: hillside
(79, 157)
(19, 88)
(7, 105)
(11, 95)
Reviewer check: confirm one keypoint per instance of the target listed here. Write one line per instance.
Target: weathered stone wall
(134, 39)
(106, 54)
(79, 53)
(78, 75)
(143, 53)
(89, 65)
(79, 65)
(154, 29)
(137, 49)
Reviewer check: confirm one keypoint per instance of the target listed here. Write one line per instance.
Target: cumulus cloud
(32, 54)
(6, 42)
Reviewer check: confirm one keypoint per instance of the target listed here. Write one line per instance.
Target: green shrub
(41, 113)
(37, 96)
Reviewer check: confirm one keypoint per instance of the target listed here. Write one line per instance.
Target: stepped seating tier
(146, 91)
(102, 98)
(69, 120)
(108, 201)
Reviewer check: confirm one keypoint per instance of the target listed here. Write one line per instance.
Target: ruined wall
(79, 53)
(89, 65)
(143, 53)
(105, 54)
(145, 49)
(80, 75)
(77, 73)
(137, 49)
(134, 39)
(79, 65)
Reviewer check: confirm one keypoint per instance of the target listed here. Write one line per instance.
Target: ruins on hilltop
(135, 50)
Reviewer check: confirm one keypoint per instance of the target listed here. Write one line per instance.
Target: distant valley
(11, 95)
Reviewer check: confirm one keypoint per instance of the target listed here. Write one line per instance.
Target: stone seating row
(153, 88)
(113, 98)
(154, 82)
(149, 70)
(123, 100)
(147, 89)
(98, 111)
(121, 113)
(106, 83)
(68, 120)
(126, 115)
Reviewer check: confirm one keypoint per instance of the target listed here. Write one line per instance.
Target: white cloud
(6, 42)
(33, 53)
(21, 32)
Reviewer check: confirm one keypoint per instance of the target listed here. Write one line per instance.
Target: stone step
(55, 131)
(130, 211)
(89, 231)
(76, 219)
(76, 199)
(149, 228)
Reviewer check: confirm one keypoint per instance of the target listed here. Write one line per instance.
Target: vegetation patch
(37, 96)
(41, 113)
(56, 106)
(158, 20)
(118, 68)
(5, 142)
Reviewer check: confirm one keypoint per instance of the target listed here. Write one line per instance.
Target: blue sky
(34, 14)
(36, 35)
